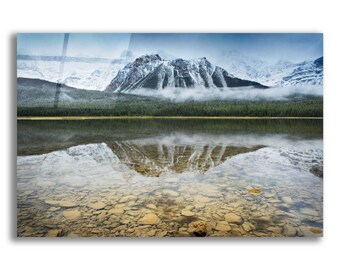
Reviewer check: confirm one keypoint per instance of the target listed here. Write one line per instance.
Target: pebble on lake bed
(65, 204)
(223, 226)
(169, 192)
(315, 230)
(149, 219)
(233, 218)
(71, 214)
(54, 233)
(254, 191)
(199, 228)
(97, 205)
(187, 213)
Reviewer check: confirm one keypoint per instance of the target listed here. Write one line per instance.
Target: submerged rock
(151, 206)
(289, 231)
(53, 209)
(276, 230)
(65, 204)
(317, 171)
(97, 205)
(151, 233)
(199, 205)
(199, 228)
(170, 192)
(269, 195)
(223, 226)
(72, 214)
(116, 211)
(54, 233)
(149, 219)
(309, 212)
(187, 213)
(233, 218)
(254, 191)
(262, 219)
(287, 200)
(247, 226)
(315, 230)
(126, 198)
(310, 231)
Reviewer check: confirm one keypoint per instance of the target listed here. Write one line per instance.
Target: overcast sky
(267, 47)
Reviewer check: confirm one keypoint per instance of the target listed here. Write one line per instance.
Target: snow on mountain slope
(282, 73)
(307, 73)
(153, 72)
(133, 72)
(122, 74)
(254, 69)
(90, 75)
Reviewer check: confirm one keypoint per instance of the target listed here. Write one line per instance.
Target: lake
(170, 177)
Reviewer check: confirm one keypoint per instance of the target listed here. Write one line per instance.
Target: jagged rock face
(150, 71)
(154, 159)
(133, 72)
(319, 62)
(307, 73)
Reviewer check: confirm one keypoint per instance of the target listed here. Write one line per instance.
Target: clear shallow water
(170, 178)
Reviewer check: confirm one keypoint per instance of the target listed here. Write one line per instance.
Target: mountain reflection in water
(170, 177)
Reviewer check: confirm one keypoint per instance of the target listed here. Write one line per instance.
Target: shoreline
(52, 118)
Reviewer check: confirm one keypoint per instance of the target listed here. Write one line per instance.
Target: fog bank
(244, 93)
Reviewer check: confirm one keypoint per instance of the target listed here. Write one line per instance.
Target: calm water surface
(170, 178)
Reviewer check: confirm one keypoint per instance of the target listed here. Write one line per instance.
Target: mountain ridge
(153, 72)
(273, 75)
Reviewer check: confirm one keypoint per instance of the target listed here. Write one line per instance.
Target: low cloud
(245, 93)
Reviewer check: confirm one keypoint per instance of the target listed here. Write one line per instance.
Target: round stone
(151, 206)
(97, 205)
(309, 212)
(187, 213)
(151, 233)
(198, 228)
(116, 211)
(269, 195)
(315, 230)
(287, 200)
(71, 214)
(149, 219)
(223, 226)
(199, 205)
(247, 226)
(233, 218)
(289, 231)
(126, 198)
(276, 230)
(54, 233)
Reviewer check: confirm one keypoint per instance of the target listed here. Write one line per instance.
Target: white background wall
(169, 16)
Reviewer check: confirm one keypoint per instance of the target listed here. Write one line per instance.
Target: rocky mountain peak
(153, 72)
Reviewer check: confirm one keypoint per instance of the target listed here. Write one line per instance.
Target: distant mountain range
(309, 72)
(153, 72)
(79, 72)
(66, 59)
(161, 70)
(282, 73)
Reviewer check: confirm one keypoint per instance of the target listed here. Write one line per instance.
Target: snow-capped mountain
(306, 73)
(82, 73)
(279, 74)
(153, 72)
(133, 72)
(254, 69)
